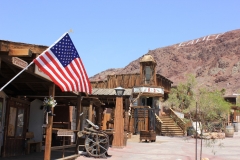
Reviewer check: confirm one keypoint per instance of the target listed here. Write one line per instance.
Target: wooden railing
(158, 125)
(178, 121)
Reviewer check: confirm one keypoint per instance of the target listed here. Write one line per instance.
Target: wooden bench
(30, 142)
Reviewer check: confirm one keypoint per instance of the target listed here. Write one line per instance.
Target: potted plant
(48, 104)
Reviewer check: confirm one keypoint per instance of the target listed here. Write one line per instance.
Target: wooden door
(16, 125)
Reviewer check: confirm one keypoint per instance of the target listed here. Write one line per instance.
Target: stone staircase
(169, 127)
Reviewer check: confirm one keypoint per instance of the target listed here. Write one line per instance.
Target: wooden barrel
(229, 131)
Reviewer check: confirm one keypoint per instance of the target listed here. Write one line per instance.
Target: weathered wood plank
(20, 52)
(61, 147)
(5, 46)
(69, 157)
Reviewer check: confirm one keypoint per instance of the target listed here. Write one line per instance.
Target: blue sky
(112, 33)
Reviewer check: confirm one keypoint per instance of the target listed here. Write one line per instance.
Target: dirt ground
(176, 148)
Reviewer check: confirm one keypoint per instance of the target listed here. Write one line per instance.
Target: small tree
(212, 109)
(182, 97)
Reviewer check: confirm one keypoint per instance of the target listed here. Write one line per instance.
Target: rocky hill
(213, 59)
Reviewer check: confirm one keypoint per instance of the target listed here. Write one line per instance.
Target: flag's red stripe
(87, 79)
(53, 70)
(60, 77)
(72, 76)
(79, 86)
(82, 75)
(47, 73)
(60, 69)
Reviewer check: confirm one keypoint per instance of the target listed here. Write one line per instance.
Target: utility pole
(196, 133)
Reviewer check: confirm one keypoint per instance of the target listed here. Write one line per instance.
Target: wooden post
(161, 106)
(48, 140)
(63, 149)
(94, 115)
(99, 118)
(126, 117)
(90, 113)
(78, 112)
(118, 124)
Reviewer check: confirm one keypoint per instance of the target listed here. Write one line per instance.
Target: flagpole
(16, 76)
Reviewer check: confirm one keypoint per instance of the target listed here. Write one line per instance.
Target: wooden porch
(55, 154)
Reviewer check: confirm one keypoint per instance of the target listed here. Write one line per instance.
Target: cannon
(96, 142)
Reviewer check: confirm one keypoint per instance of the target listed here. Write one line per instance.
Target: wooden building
(21, 101)
(145, 91)
(234, 115)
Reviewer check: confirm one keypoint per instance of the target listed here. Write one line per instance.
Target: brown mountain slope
(103, 75)
(213, 59)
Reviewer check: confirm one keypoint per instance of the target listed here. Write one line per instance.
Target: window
(148, 74)
(20, 122)
(143, 101)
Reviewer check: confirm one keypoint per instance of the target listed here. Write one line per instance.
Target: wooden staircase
(169, 127)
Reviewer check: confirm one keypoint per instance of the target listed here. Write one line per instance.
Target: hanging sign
(148, 90)
(19, 62)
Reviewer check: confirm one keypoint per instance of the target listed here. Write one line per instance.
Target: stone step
(172, 125)
(169, 127)
(168, 123)
(165, 119)
(174, 128)
(172, 132)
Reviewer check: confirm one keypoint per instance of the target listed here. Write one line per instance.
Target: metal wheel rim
(97, 145)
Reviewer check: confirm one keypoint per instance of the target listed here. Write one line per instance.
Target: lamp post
(118, 119)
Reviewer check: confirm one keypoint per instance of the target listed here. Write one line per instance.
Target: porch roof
(109, 91)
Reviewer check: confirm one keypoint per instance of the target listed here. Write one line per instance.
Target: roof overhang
(109, 92)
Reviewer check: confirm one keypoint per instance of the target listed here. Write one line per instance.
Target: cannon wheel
(96, 144)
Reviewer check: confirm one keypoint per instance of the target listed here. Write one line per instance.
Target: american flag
(62, 63)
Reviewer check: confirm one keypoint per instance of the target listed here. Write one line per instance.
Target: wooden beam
(90, 111)
(48, 140)
(20, 52)
(5, 46)
(79, 110)
(61, 147)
